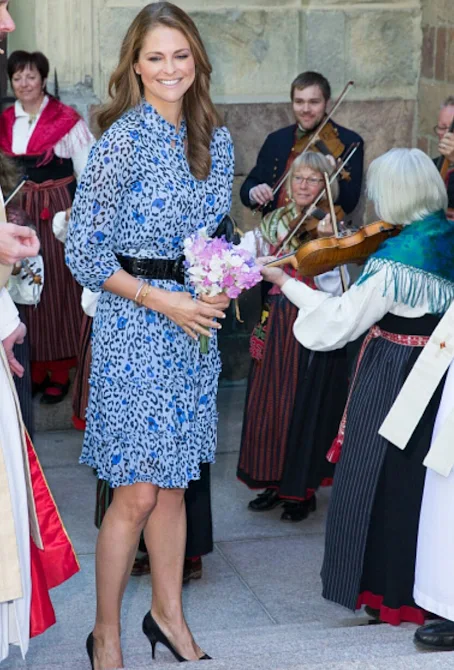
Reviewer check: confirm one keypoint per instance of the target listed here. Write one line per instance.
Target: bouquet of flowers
(216, 266)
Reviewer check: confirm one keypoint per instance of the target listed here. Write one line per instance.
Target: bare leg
(165, 537)
(115, 551)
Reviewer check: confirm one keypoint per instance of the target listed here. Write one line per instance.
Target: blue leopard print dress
(152, 413)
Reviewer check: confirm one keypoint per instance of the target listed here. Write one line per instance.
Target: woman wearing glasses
(446, 147)
(284, 442)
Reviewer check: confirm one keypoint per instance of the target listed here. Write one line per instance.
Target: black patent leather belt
(154, 268)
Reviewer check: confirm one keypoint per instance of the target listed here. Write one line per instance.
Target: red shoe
(54, 393)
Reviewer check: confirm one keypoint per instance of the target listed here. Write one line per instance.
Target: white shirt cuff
(89, 301)
(60, 226)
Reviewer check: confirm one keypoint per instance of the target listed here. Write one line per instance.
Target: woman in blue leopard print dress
(162, 169)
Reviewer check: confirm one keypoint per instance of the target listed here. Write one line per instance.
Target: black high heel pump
(89, 645)
(155, 635)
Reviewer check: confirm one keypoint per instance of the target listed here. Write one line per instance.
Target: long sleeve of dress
(89, 247)
(218, 199)
(325, 323)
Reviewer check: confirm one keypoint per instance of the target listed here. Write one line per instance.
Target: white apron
(434, 575)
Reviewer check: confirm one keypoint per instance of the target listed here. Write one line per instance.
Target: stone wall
(256, 47)
(437, 68)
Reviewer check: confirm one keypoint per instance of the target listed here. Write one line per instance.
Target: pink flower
(216, 265)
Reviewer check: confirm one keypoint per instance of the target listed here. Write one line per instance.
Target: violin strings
(290, 236)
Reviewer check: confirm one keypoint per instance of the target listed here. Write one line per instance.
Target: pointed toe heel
(89, 645)
(155, 635)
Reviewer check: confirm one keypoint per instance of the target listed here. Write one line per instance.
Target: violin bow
(25, 263)
(315, 137)
(342, 273)
(16, 190)
(5, 270)
(352, 150)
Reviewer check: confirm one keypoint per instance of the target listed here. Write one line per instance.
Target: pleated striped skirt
(54, 325)
(81, 387)
(372, 524)
(270, 399)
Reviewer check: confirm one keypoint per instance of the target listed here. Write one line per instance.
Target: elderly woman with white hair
(404, 289)
(283, 444)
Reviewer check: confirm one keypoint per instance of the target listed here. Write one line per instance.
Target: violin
(325, 138)
(327, 142)
(310, 228)
(296, 227)
(324, 254)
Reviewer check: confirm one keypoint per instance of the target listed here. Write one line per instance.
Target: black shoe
(438, 636)
(155, 635)
(265, 501)
(90, 649)
(52, 398)
(298, 511)
(42, 386)
(374, 615)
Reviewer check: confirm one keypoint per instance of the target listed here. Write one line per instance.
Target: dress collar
(19, 110)
(153, 120)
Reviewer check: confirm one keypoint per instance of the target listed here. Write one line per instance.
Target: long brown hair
(126, 88)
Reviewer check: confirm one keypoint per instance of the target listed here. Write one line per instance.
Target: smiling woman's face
(166, 66)
(28, 86)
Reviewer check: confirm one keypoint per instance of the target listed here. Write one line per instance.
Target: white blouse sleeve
(76, 145)
(253, 242)
(325, 323)
(60, 226)
(9, 319)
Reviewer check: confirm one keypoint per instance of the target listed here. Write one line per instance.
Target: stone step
(276, 647)
(311, 646)
(426, 661)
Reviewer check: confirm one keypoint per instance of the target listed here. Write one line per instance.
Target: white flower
(216, 264)
(215, 277)
(234, 260)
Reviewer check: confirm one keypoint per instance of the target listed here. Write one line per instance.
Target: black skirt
(321, 395)
(294, 403)
(372, 525)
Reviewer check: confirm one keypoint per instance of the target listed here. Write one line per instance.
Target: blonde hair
(314, 161)
(126, 88)
(405, 186)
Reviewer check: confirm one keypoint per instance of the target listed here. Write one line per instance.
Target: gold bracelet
(141, 285)
(143, 294)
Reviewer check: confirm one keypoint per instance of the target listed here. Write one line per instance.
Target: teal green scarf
(419, 262)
